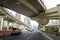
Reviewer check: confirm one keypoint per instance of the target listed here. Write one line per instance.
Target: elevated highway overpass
(9, 17)
(35, 9)
(53, 13)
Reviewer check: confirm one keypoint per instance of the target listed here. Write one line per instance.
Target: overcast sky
(51, 3)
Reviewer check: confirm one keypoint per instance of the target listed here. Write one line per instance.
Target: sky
(31, 21)
(51, 3)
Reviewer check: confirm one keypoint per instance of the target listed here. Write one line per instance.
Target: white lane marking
(46, 36)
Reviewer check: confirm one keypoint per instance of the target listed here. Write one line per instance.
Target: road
(53, 36)
(26, 35)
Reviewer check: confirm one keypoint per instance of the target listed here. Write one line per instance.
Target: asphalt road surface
(53, 36)
(26, 35)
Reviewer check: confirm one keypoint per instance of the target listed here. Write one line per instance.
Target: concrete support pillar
(59, 16)
(1, 22)
(8, 25)
(59, 23)
(59, 29)
(43, 28)
(39, 26)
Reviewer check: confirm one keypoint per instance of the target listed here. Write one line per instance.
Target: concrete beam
(50, 13)
(51, 10)
(29, 5)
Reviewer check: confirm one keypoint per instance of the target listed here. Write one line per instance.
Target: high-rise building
(27, 21)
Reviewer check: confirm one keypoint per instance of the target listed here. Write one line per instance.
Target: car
(16, 31)
(31, 30)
